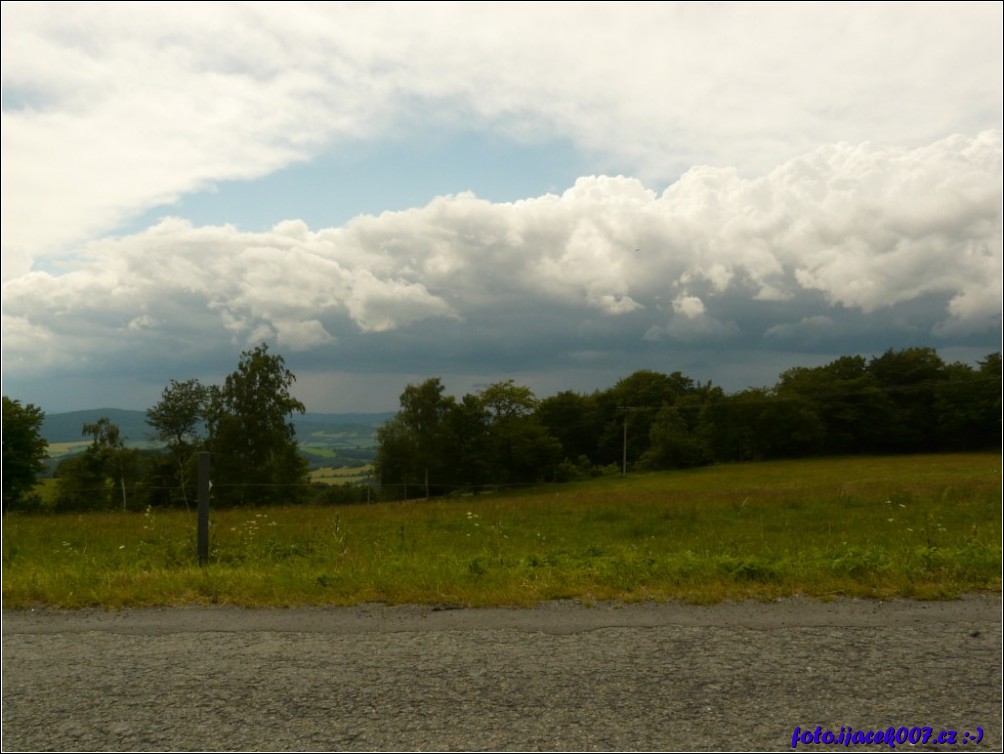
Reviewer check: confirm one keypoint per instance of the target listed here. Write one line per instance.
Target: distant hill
(68, 427)
(314, 429)
(340, 430)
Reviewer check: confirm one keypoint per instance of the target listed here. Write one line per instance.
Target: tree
(176, 419)
(255, 457)
(424, 407)
(467, 442)
(968, 405)
(520, 447)
(847, 398)
(990, 397)
(114, 458)
(672, 445)
(435, 444)
(911, 379)
(24, 451)
(757, 424)
(106, 472)
(415, 447)
(575, 421)
(397, 457)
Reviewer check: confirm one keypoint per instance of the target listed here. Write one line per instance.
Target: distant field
(927, 527)
(57, 449)
(345, 475)
(319, 450)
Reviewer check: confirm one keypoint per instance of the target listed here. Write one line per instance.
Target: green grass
(321, 451)
(926, 527)
(47, 490)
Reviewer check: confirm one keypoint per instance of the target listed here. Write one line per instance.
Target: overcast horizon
(558, 194)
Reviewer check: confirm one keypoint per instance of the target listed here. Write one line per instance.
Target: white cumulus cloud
(607, 263)
(110, 109)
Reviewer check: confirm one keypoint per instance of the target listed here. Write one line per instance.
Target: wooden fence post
(203, 508)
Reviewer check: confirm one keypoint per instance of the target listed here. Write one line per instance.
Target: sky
(555, 193)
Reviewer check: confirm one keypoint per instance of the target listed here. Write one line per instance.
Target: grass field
(927, 527)
(343, 475)
(60, 449)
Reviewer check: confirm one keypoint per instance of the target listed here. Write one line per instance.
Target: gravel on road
(559, 677)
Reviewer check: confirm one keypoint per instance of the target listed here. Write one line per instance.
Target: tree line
(906, 401)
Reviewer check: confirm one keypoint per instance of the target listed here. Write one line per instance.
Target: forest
(905, 401)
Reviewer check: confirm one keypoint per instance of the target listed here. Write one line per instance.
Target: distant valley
(326, 439)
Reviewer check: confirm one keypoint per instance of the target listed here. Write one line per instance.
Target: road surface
(736, 676)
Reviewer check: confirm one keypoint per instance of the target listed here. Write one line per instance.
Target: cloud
(806, 331)
(690, 307)
(300, 336)
(109, 111)
(888, 243)
(379, 305)
(691, 323)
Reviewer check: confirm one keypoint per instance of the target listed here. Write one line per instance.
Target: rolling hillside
(326, 439)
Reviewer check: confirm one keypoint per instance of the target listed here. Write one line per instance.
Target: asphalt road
(563, 677)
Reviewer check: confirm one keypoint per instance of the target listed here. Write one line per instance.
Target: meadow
(925, 527)
(343, 475)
